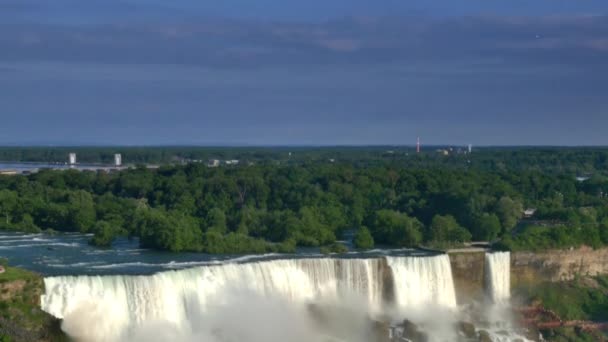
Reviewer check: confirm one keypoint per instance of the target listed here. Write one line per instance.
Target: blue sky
(240, 72)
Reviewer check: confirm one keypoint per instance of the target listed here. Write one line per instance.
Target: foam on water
(422, 281)
(121, 304)
(498, 276)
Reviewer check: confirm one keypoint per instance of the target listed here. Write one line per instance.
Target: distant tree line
(555, 160)
(268, 207)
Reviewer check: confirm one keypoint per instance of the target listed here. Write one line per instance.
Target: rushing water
(498, 276)
(423, 281)
(70, 254)
(124, 303)
(132, 294)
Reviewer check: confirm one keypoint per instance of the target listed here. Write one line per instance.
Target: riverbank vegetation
(21, 318)
(584, 299)
(554, 160)
(276, 208)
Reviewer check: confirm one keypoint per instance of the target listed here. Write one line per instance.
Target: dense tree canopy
(363, 238)
(276, 207)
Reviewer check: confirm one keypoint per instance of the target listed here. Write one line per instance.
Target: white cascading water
(498, 276)
(118, 305)
(422, 281)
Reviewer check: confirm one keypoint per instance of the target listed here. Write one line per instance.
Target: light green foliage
(81, 211)
(446, 229)
(395, 228)
(216, 221)
(8, 204)
(487, 227)
(104, 234)
(579, 299)
(363, 239)
(19, 308)
(509, 211)
(281, 203)
(170, 231)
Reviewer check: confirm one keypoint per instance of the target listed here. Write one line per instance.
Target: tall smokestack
(418, 145)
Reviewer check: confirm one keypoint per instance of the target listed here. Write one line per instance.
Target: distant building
(117, 159)
(213, 163)
(231, 162)
(72, 158)
(2, 270)
(528, 213)
(470, 148)
(8, 172)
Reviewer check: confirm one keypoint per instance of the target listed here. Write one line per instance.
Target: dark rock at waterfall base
(466, 329)
(412, 332)
(409, 328)
(484, 336)
(381, 331)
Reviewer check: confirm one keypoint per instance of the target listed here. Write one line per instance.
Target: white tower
(117, 159)
(72, 158)
(470, 148)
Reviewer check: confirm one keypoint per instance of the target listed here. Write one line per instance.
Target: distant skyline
(272, 73)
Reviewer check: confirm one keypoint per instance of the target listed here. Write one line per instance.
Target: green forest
(277, 207)
(555, 160)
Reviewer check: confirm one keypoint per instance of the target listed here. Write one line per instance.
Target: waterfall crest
(498, 276)
(119, 304)
(423, 281)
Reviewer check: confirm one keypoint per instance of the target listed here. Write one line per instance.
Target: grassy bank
(582, 299)
(20, 316)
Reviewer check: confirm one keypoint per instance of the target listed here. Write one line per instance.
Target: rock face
(409, 331)
(484, 336)
(529, 268)
(468, 274)
(21, 319)
(466, 329)
(8, 290)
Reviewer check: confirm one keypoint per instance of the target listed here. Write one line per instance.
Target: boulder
(381, 331)
(410, 329)
(484, 336)
(466, 329)
(412, 332)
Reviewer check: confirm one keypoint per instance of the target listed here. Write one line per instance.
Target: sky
(331, 72)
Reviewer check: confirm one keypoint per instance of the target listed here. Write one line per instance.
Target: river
(70, 254)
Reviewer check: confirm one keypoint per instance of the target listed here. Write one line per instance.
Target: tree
(363, 238)
(447, 229)
(486, 228)
(509, 211)
(104, 234)
(171, 231)
(8, 204)
(311, 231)
(81, 212)
(216, 221)
(396, 229)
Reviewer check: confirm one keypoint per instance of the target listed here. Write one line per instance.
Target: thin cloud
(231, 43)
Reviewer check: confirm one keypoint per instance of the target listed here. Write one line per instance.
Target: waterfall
(117, 305)
(422, 281)
(498, 276)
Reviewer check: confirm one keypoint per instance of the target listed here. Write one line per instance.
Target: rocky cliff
(527, 268)
(468, 274)
(21, 318)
